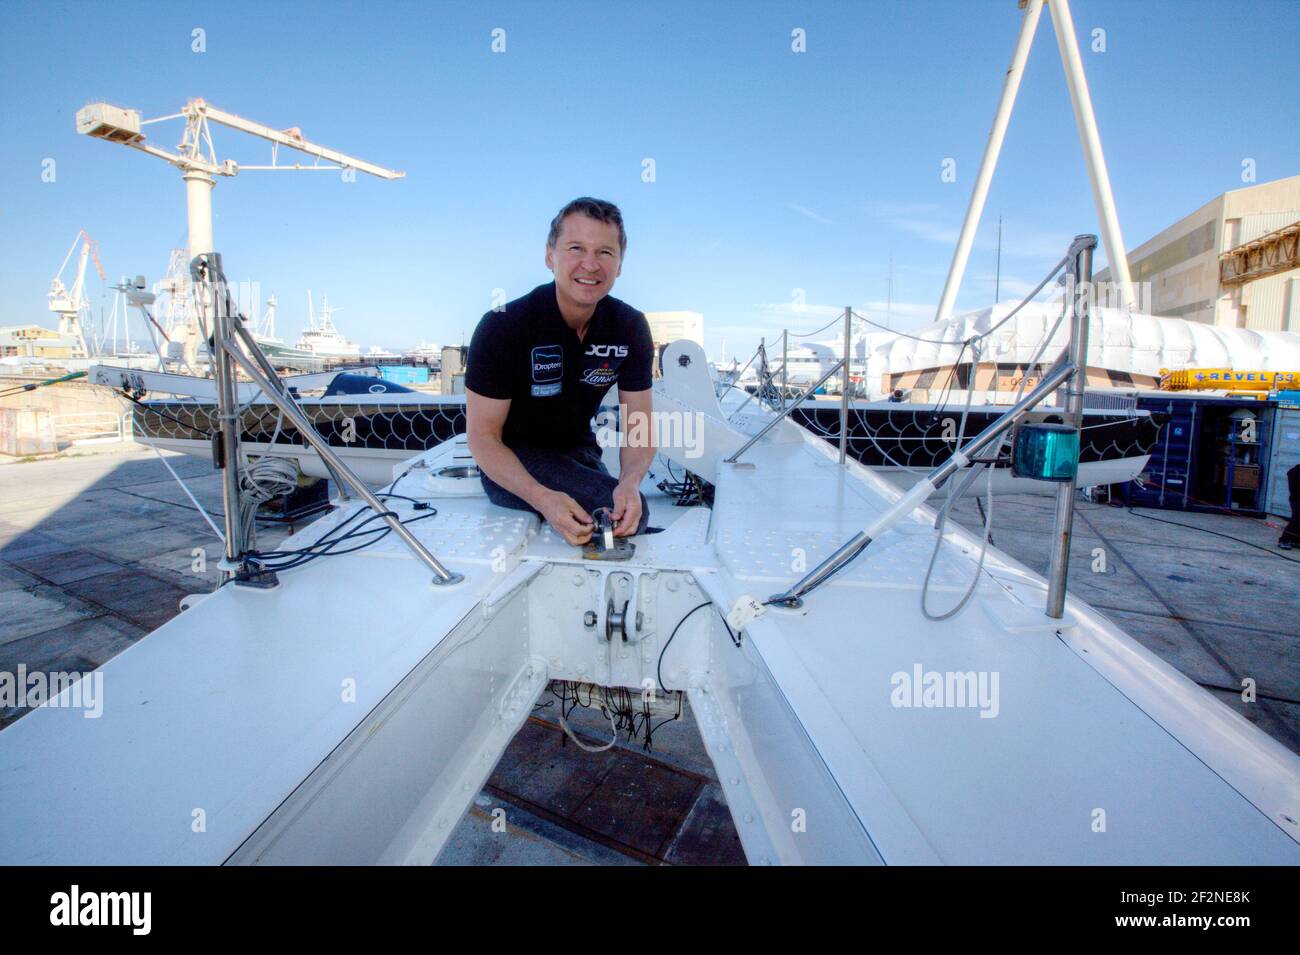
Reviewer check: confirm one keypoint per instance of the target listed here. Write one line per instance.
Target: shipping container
(1285, 455)
(405, 374)
(1213, 455)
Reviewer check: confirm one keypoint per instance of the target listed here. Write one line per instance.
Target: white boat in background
(430, 354)
(321, 339)
(275, 348)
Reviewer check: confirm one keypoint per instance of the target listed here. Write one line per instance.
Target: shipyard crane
(196, 155)
(230, 343)
(67, 303)
(196, 158)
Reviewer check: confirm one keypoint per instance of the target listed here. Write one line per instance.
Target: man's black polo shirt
(555, 383)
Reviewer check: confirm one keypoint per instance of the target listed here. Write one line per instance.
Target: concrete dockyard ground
(97, 549)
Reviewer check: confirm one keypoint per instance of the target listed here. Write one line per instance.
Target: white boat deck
(228, 707)
(946, 784)
(236, 712)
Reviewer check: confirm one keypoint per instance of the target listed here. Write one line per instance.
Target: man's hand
(627, 509)
(569, 520)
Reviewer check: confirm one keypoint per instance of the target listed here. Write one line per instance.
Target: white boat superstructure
(276, 349)
(321, 338)
(352, 713)
(424, 352)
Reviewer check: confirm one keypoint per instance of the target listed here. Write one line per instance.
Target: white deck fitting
(681, 545)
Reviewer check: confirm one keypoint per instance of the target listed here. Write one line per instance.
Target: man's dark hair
(597, 209)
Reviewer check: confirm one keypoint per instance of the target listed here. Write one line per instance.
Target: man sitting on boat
(537, 371)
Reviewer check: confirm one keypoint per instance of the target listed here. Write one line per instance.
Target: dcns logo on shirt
(608, 351)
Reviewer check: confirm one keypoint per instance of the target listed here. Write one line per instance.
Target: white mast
(1095, 160)
(1104, 201)
(267, 329)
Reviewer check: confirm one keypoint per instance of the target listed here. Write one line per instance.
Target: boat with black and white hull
(374, 424)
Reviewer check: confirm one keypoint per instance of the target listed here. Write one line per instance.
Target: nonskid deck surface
(213, 724)
(1041, 759)
(223, 710)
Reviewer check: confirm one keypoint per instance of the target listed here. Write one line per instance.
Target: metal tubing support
(844, 390)
(1079, 289)
(251, 346)
(1010, 87)
(785, 360)
(1093, 157)
(441, 574)
(762, 381)
(921, 490)
(227, 416)
(776, 420)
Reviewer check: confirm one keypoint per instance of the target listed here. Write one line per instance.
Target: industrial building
(1232, 263)
(35, 341)
(668, 327)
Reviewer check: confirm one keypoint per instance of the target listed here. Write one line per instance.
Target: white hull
(308, 733)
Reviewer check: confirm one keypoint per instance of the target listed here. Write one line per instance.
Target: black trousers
(578, 472)
(1291, 533)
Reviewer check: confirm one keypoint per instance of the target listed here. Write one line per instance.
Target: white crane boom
(196, 158)
(293, 139)
(119, 125)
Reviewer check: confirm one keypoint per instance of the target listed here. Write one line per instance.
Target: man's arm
(634, 459)
(485, 419)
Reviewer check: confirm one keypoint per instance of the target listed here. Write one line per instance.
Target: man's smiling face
(586, 260)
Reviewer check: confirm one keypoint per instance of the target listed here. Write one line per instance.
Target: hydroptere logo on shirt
(548, 370)
(548, 363)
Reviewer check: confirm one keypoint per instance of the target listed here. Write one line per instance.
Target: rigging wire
(975, 343)
(1002, 321)
(735, 640)
(953, 495)
(902, 334)
(833, 321)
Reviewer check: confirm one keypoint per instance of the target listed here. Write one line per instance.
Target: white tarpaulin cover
(1117, 341)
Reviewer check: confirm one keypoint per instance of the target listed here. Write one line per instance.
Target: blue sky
(774, 171)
